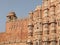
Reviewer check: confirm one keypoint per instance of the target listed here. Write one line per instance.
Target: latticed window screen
(53, 43)
(45, 12)
(45, 43)
(46, 3)
(58, 9)
(30, 43)
(40, 43)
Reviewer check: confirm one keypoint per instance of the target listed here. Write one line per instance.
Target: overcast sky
(21, 7)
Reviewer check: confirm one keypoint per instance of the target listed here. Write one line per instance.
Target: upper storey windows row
(36, 13)
(43, 12)
(47, 3)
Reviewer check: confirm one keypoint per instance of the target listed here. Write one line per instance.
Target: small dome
(11, 14)
(38, 7)
(31, 12)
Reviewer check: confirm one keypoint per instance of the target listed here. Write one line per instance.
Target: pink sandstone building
(42, 27)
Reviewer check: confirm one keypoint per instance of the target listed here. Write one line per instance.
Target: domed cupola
(11, 16)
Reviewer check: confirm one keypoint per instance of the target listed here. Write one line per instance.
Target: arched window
(52, 10)
(45, 12)
(38, 42)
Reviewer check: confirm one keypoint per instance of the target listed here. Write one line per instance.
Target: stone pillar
(37, 34)
(30, 29)
(52, 27)
(46, 31)
(58, 21)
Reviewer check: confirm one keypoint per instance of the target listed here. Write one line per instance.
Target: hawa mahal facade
(41, 27)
